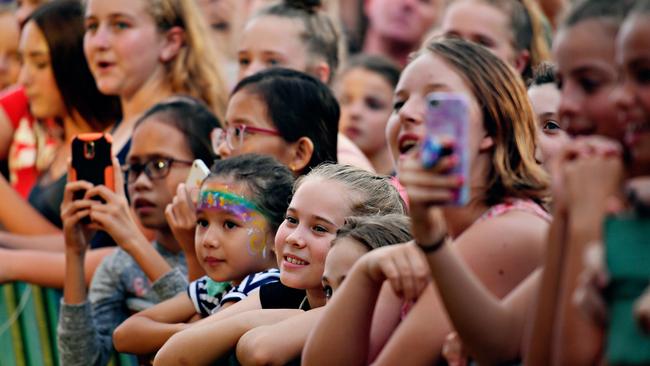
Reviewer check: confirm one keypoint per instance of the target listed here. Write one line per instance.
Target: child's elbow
(167, 356)
(163, 359)
(121, 337)
(253, 349)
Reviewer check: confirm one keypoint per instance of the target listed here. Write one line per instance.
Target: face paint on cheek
(219, 197)
(257, 235)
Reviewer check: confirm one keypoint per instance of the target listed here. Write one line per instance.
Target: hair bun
(309, 5)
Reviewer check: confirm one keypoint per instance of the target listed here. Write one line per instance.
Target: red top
(31, 148)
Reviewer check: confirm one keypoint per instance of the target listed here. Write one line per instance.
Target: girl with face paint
(239, 208)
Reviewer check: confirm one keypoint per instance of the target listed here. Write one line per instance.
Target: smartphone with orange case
(92, 160)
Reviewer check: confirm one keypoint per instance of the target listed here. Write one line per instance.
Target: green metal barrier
(28, 320)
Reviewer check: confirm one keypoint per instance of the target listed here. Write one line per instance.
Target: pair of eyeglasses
(157, 168)
(233, 136)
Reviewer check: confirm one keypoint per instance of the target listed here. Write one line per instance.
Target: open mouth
(407, 142)
(352, 132)
(104, 65)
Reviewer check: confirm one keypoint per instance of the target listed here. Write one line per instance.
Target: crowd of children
(334, 226)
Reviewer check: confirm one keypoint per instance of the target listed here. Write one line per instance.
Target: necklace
(302, 303)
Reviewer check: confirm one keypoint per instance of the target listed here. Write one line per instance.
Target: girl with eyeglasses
(166, 139)
(283, 113)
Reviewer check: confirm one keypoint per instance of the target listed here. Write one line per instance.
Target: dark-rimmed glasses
(157, 168)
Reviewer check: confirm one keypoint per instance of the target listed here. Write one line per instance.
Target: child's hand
(589, 170)
(181, 217)
(77, 235)
(427, 190)
(453, 350)
(404, 265)
(114, 215)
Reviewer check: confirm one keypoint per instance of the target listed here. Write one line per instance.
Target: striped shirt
(208, 296)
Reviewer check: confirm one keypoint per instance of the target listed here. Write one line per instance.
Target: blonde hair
(196, 69)
(376, 231)
(508, 118)
(370, 194)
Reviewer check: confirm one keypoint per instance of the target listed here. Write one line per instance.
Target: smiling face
(304, 237)
(269, 41)
(232, 238)
(633, 95)
(123, 46)
(587, 74)
(37, 76)
(155, 140)
(340, 260)
(365, 99)
(427, 73)
(545, 100)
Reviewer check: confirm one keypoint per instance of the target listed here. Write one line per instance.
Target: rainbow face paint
(220, 197)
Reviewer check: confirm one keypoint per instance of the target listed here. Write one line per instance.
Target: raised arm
(145, 332)
(181, 217)
(116, 218)
(591, 172)
(342, 336)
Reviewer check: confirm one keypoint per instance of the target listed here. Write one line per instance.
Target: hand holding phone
(91, 160)
(447, 119)
(198, 173)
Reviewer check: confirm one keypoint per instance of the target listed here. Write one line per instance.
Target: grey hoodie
(119, 288)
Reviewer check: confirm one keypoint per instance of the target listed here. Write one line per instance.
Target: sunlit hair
(376, 231)
(196, 69)
(530, 30)
(320, 34)
(508, 118)
(368, 193)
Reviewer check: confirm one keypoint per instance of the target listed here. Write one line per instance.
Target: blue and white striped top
(208, 296)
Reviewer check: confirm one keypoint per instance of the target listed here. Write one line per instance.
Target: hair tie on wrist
(430, 248)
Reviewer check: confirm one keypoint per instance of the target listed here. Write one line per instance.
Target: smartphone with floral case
(447, 117)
